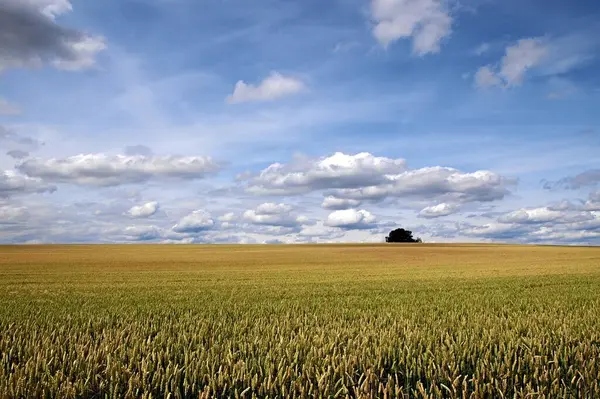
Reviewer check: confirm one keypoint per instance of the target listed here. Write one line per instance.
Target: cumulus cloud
(351, 219)
(331, 202)
(7, 108)
(271, 88)
(31, 37)
(438, 210)
(589, 178)
(562, 223)
(143, 211)
(427, 22)
(320, 231)
(195, 222)
(142, 233)
(228, 217)
(537, 215)
(12, 183)
(336, 171)
(272, 214)
(439, 182)
(493, 230)
(113, 170)
(350, 179)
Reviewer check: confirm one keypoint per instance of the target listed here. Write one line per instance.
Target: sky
(298, 121)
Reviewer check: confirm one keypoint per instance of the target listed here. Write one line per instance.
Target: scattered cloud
(143, 211)
(320, 231)
(517, 61)
(195, 222)
(331, 202)
(438, 210)
(485, 77)
(351, 219)
(142, 233)
(482, 48)
(427, 22)
(541, 56)
(271, 214)
(442, 183)
(11, 183)
(336, 171)
(273, 87)
(112, 170)
(537, 215)
(228, 217)
(589, 178)
(13, 141)
(31, 37)
(564, 223)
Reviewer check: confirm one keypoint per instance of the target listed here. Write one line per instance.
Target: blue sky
(299, 121)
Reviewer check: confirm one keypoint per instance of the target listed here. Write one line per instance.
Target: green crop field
(368, 321)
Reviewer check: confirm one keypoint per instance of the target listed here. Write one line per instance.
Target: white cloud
(519, 58)
(331, 202)
(271, 214)
(485, 77)
(195, 222)
(427, 22)
(112, 170)
(31, 37)
(448, 184)
(336, 171)
(482, 48)
(541, 56)
(142, 233)
(320, 231)
(12, 183)
(7, 108)
(537, 215)
(270, 208)
(143, 211)
(351, 219)
(438, 210)
(526, 54)
(271, 88)
(228, 217)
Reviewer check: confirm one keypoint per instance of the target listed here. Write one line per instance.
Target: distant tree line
(401, 235)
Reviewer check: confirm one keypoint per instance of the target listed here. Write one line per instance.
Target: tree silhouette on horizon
(401, 235)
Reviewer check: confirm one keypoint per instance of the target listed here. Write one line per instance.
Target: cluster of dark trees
(401, 235)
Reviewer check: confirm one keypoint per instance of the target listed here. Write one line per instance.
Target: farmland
(414, 321)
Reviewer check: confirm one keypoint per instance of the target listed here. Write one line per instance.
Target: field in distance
(365, 321)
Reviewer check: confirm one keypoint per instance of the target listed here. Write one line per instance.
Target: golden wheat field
(306, 321)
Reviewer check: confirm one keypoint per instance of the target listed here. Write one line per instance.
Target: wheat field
(305, 321)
